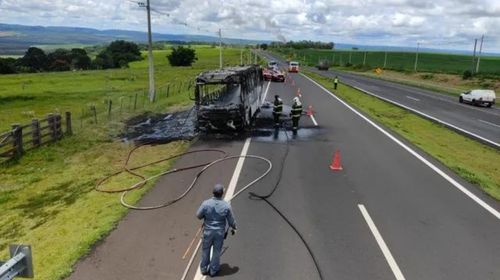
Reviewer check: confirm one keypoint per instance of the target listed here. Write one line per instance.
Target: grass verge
(47, 197)
(471, 160)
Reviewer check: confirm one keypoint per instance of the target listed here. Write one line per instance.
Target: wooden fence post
(69, 130)
(135, 101)
(17, 133)
(35, 133)
(52, 126)
(94, 110)
(58, 122)
(110, 104)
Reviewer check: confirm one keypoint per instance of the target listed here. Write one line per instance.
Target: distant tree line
(304, 44)
(116, 55)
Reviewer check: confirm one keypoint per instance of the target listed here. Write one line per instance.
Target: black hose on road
(265, 198)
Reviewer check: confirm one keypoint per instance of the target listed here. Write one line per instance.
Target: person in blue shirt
(215, 212)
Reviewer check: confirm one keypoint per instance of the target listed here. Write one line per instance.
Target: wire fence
(400, 61)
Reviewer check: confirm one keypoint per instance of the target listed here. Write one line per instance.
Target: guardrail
(23, 138)
(20, 263)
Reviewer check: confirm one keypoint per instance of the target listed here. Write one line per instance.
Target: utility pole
(479, 55)
(474, 56)
(416, 58)
(150, 57)
(241, 55)
(385, 59)
(364, 59)
(220, 49)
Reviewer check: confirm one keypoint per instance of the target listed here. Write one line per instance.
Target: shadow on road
(226, 270)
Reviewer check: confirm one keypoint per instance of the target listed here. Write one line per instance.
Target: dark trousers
(334, 85)
(295, 123)
(276, 119)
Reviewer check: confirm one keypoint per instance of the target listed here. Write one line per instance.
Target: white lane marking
(229, 194)
(452, 181)
(381, 243)
(236, 174)
(265, 93)
(314, 120)
(412, 98)
(493, 143)
(490, 123)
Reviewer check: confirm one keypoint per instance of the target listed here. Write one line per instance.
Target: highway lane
(481, 121)
(431, 229)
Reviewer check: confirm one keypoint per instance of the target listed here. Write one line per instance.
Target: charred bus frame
(229, 98)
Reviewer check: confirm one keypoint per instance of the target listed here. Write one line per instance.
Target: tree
(59, 60)
(263, 46)
(7, 65)
(182, 56)
(35, 59)
(80, 59)
(117, 54)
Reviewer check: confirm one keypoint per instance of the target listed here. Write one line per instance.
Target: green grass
(23, 96)
(401, 61)
(47, 197)
(473, 161)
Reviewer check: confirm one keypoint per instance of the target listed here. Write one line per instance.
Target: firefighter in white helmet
(296, 113)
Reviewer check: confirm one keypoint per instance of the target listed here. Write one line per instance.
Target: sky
(445, 24)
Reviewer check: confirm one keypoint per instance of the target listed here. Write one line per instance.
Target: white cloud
(444, 23)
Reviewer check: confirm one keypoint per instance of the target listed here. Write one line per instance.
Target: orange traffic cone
(336, 162)
(310, 111)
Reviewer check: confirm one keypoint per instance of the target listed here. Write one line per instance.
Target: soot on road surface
(161, 128)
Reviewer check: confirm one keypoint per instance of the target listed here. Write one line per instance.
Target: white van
(478, 97)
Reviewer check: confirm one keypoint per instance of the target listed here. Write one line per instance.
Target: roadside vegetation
(47, 197)
(399, 61)
(471, 160)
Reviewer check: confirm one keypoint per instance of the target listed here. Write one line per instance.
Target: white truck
(478, 97)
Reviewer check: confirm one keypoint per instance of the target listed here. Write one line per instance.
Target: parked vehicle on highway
(323, 65)
(272, 64)
(278, 76)
(293, 66)
(229, 98)
(268, 75)
(478, 97)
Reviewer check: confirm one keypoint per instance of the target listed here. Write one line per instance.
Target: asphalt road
(386, 215)
(481, 122)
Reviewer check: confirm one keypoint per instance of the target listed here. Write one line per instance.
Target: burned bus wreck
(229, 98)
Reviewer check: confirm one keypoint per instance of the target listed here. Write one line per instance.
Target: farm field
(47, 197)
(401, 61)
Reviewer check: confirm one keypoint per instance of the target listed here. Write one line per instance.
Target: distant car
(293, 66)
(268, 75)
(323, 65)
(278, 76)
(272, 64)
(478, 97)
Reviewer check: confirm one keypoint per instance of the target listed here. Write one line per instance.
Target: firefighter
(277, 109)
(295, 114)
(335, 82)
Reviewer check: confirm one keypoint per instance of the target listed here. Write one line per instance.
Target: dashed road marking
(452, 181)
(412, 98)
(314, 120)
(381, 243)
